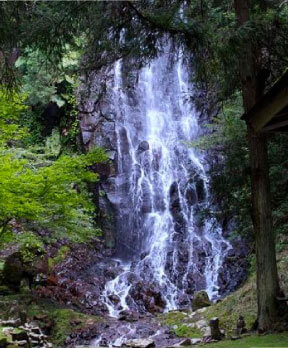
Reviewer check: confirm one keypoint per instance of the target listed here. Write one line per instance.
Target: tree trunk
(267, 277)
(252, 90)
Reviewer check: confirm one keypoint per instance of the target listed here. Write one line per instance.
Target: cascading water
(162, 188)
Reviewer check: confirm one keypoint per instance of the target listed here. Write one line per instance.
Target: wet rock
(195, 341)
(35, 337)
(7, 330)
(147, 296)
(141, 343)
(200, 189)
(200, 300)
(128, 316)
(114, 298)
(185, 342)
(143, 146)
(234, 270)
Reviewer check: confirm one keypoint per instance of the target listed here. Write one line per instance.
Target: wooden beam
(265, 114)
(275, 100)
(275, 125)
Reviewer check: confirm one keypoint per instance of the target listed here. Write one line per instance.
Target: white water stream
(161, 188)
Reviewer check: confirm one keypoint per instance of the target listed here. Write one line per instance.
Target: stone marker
(215, 331)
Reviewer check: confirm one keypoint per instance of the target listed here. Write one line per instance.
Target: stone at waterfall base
(200, 300)
(186, 342)
(140, 343)
(189, 342)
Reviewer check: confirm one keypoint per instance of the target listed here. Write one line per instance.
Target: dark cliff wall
(98, 129)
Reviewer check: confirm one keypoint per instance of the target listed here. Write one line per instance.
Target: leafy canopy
(37, 186)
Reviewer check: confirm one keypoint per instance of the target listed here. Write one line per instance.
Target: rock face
(152, 195)
(80, 279)
(97, 115)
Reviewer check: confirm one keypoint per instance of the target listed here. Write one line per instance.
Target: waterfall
(165, 244)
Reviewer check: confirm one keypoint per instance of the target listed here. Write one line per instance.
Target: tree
(39, 186)
(252, 90)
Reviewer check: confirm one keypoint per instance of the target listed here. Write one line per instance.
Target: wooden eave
(270, 114)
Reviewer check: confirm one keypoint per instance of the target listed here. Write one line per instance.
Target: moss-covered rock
(200, 300)
(16, 270)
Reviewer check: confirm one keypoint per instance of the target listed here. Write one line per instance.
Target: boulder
(141, 343)
(143, 146)
(200, 300)
(207, 333)
(114, 298)
(195, 341)
(128, 315)
(201, 324)
(16, 270)
(185, 342)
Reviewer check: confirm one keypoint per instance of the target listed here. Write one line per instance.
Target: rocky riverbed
(79, 281)
(73, 276)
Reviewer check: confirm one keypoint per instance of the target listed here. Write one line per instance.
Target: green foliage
(226, 129)
(53, 195)
(44, 83)
(11, 109)
(53, 144)
(61, 255)
(230, 177)
(278, 148)
(230, 182)
(41, 77)
(30, 245)
(39, 186)
(186, 331)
